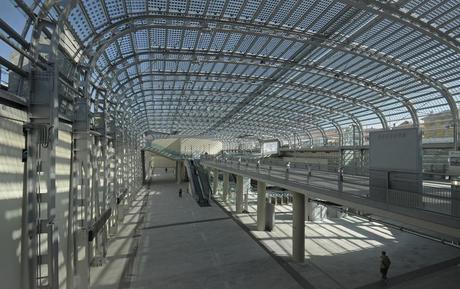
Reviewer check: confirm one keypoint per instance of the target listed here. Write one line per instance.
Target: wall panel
(63, 152)
(11, 190)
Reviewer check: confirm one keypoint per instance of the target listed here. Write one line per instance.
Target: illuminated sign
(271, 147)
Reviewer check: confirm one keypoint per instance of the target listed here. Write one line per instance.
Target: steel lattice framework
(222, 68)
(313, 72)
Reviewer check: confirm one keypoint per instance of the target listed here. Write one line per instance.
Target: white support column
(261, 205)
(215, 181)
(225, 187)
(179, 172)
(298, 227)
(81, 165)
(239, 194)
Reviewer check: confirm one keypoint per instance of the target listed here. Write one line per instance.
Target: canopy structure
(90, 90)
(315, 71)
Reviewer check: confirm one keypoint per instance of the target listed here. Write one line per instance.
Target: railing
(165, 151)
(435, 197)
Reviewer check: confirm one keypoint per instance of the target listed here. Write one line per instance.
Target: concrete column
(215, 181)
(183, 171)
(246, 189)
(454, 199)
(307, 209)
(261, 205)
(179, 172)
(225, 187)
(239, 194)
(298, 227)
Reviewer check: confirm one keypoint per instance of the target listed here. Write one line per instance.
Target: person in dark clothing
(180, 193)
(384, 265)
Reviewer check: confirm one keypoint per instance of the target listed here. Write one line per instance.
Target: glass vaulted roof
(227, 68)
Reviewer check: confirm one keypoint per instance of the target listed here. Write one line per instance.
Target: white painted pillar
(239, 194)
(225, 187)
(298, 227)
(246, 189)
(179, 172)
(215, 181)
(261, 205)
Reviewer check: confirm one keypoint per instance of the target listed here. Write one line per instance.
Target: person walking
(180, 193)
(384, 265)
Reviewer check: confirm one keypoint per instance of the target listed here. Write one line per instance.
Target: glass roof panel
(255, 56)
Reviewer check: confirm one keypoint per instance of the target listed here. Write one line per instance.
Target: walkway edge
(126, 276)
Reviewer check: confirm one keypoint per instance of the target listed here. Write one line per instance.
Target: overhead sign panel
(270, 147)
(396, 150)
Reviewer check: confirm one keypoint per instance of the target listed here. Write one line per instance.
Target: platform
(183, 245)
(344, 253)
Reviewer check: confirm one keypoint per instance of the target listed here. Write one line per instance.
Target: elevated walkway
(351, 192)
(165, 152)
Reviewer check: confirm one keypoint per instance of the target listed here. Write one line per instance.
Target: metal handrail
(440, 199)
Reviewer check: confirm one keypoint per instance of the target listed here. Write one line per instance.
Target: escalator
(199, 183)
(204, 179)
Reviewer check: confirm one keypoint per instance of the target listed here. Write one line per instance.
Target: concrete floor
(183, 245)
(121, 250)
(344, 253)
(173, 243)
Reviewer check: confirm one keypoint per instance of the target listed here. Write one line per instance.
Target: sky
(14, 18)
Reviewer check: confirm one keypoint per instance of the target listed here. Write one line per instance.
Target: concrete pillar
(261, 205)
(183, 171)
(307, 209)
(179, 172)
(246, 189)
(239, 194)
(215, 181)
(454, 199)
(298, 227)
(225, 187)
(316, 211)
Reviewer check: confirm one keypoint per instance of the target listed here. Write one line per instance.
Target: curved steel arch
(322, 108)
(300, 67)
(270, 108)
(391, 12)
(256, 29)
(290, 121)
(278, 129)
(387, 61)
(335, 124)
(315, 90)
(385, 12)
(309, 104)
(450, 102)
(290, 86)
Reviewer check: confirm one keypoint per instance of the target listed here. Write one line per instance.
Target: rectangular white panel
(396, 150)
(270, 147)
